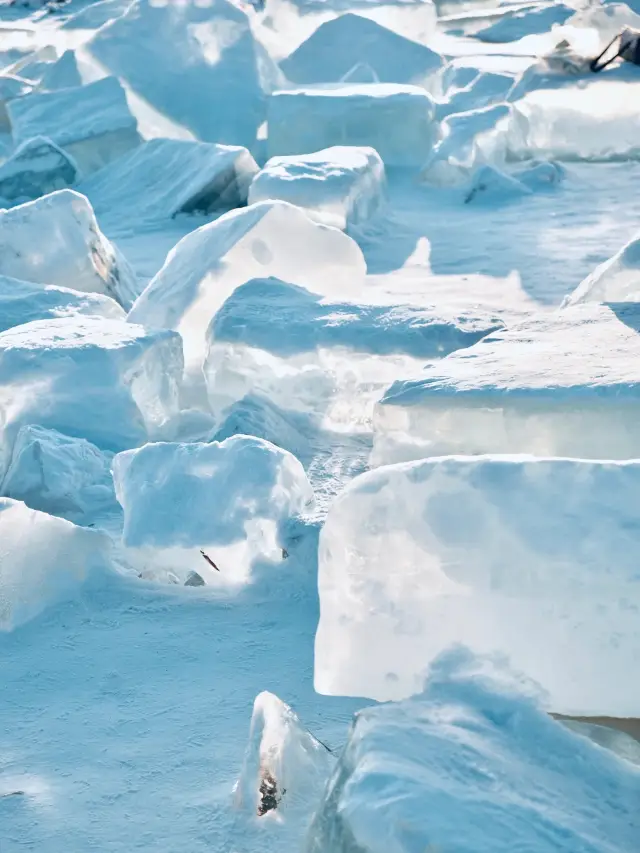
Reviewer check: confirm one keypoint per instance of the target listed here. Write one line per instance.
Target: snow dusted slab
(203, 68)
(36, 168)
(330, 54)
(24, 301)
(270, 238)
(97, 126)
(56, 240)
(44, 561)
(472, 764)
(616, 280)
(396, 120)
(340, 186)
(560, 384)
(165, 177)
(516, 24)
(108, 381)
(228, 499)
(534, 558)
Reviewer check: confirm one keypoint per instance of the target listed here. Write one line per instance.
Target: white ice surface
(98, 125)
(533, 558)
(36, 167)
(229, 498)
(474, 764)
(340, 186)
(615, 280)
(530, 21)
(396, 120)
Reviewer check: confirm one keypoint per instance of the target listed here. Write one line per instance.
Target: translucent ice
(56, 240)
(340, 186)
(396, 120)
(533, 558)
(470, 765)
(36, 168)
(615, 280)
(62, 74)
(212, 508)
(558, 384)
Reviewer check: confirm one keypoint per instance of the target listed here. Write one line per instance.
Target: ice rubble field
(319, 396)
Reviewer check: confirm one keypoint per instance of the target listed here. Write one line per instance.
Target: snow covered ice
(615, 280)
(340, 186)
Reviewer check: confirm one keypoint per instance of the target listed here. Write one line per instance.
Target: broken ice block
(36, 168)
(615, 280)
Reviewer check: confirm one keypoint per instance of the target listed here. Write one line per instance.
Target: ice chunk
(530, 557)
(472, 764)
(517, 23)
(42, 561)
(62, 74)
(413, 19)
(24, 301)
(11, 86)
(285, 768)
(396, 120)
(96, 15)
(214, 508)
(269, 238)
(339, 186)
(314, 356)
(165, 177)
(558, 384)
(203, 68)
(339, 44)
(108, 381)
(607, 18)
(615, 280)
(484, 90)
(97, 127)
(492, 185)
(54, 473)
(56, 240)
(36, 168)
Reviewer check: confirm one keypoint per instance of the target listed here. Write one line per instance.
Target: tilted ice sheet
(228, 499)
(484, 90)
(36, 168)
(340, 186)
(63, 73)
(615, 280)
(564, 383)
(473, 764)
(397, 120)
(515, 24)
(533, 558)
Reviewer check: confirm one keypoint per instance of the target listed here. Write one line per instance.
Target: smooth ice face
(23, 301)
(203, 68)
(563, 383)
(322, 357)
(615, 280)
(228, 500)
(165, 177)
(98, 125)
(43, 560)
(56, 240)
(36, 168)
(472, 764)
(54, 473)
(63, 73)
(340, 186)
(396, 120)
(11, 87)
(108, 381)
(516, 24)
(265, 239)
(532, 558)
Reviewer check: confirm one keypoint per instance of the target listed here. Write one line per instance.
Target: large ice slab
(36, 168)
(56, 240)
(533, 558)
(165, 177)
(203, 68)
(559, 384)
(11, 86)
(340, 186)
(396, 120)
(97, 127)
(210, 508)
(484, 90)
(518, 23)
(340, 44)
(472, 765)
(108, 381)
(615, 280)
(269, 238)
(43, 561)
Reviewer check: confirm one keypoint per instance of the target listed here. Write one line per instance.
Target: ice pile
(214, 509)
(108, 381)
(43, 560)
(165, 177)
(98, 125)
(340, 186)
(563, 383)
(36, 168)
(533, 558)
(396, 120)
(472, 764)
(615, 280)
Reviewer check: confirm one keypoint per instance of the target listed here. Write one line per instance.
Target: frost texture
(36, 168)
(474, 764)
(226, 499)
(533, 558)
